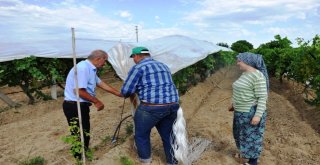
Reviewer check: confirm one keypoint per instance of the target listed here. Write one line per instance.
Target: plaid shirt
(152, 81)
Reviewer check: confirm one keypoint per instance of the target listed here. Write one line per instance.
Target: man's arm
(129, 86)
(109, 88)
(85, 95)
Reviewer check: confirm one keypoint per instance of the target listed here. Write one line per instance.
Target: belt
(152, 104)
(81, 103)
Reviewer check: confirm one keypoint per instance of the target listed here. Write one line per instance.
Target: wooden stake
(77, 94)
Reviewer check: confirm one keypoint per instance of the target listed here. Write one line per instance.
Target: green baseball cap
(139, 50)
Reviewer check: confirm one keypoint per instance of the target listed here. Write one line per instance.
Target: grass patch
(129, 129)
(126, 161)
(38, 160)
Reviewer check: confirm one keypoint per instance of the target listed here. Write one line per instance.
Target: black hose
(116, 133)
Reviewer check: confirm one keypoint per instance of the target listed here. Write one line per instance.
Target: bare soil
(291, 137)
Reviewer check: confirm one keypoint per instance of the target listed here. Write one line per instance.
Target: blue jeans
(162, 117)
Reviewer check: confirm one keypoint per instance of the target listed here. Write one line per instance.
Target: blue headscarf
(256, 61)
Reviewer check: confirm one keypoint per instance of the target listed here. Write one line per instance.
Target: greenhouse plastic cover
(176, 51)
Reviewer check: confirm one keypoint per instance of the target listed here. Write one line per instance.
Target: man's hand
(99, 105)
(255, 120)
(85, 95)
(119, 94)
(134, 101)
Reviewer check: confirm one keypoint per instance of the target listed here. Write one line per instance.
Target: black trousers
(71, 113)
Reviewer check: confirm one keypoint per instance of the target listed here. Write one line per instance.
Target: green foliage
(199, 71)
(204, 68)
(126, 161)
(74, 139)
(301, 64)
(129, 129)
(270, 56)
(75, 142)
(241, 46)
(277, 55)
(38, 160)
(183, 79)
(89, 154)
(306, 66)
(224, 58)
(106, 68)
(278, 43)
(32, 74)
(106, 139)
(278, 61)
(223, 44)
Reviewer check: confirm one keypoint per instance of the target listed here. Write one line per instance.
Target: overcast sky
(256, 21)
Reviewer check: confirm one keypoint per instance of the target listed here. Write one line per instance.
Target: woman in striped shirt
(250, 93)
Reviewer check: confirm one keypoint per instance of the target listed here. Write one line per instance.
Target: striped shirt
(248, 90)
(152, 81)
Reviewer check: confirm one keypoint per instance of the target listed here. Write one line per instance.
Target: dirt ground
(291, 137)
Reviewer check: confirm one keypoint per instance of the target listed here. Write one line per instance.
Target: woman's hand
(230, 108)
(255, 120)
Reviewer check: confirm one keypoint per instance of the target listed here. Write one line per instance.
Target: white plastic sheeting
(51, 48)
(176, 51)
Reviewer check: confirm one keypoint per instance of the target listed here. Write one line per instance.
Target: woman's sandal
(236, 155)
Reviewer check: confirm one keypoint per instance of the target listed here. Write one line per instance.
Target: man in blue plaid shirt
(152, 82)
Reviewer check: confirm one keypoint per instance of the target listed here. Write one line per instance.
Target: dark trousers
(71, 113)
